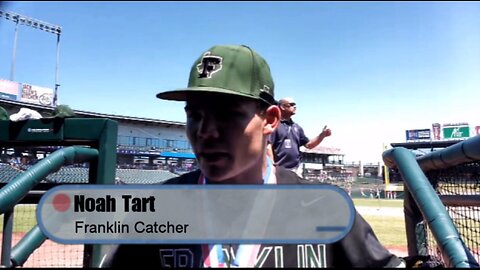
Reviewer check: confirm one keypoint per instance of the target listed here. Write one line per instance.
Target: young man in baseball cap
(231, 110)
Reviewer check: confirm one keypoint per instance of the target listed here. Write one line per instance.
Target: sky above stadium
(368, 70)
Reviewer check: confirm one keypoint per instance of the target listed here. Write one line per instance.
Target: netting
(458, 187)
(50, 254)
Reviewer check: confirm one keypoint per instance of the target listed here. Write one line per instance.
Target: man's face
(288, 107)
(226, 134)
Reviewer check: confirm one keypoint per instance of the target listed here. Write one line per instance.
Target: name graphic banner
(93, 214)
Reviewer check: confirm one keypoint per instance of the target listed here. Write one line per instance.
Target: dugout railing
(81, 140)
(442, 200)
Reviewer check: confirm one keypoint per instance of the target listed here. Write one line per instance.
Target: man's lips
(213, 156)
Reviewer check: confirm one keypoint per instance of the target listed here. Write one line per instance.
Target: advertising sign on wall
(36, 94)
(436, 128)
(417, 134)
(8, 89)
(456, 131)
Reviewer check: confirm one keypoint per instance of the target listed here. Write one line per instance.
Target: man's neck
(286, 118)
(241, 181)
(289, 121)
(252, 176)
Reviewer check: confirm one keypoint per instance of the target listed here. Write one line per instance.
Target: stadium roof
(323, 150)
(91, 114)
(426, 144)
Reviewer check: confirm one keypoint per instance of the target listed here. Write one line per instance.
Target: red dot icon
(61, 202)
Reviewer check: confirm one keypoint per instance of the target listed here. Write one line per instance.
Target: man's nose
(208, 127)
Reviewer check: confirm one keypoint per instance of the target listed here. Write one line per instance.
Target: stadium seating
(8, 173)
(78, 175)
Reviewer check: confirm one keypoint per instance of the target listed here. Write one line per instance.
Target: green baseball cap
(228, 69)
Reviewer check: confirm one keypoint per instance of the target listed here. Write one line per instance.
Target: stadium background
(149, 151)
(152, 150)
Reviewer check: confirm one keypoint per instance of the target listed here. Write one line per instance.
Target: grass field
(23, 218)
(378, 202)
(390, 230)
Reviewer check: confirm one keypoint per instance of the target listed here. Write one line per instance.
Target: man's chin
(216, 175)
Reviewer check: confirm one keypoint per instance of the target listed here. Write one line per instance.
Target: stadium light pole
(37, 24)
(12, 68)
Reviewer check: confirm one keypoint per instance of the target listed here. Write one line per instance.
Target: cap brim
(181, 94)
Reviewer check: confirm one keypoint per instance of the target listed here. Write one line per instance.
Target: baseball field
(387, 220)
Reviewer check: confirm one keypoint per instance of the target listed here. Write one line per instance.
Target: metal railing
(422, 199)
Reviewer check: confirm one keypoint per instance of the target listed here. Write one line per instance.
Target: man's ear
(272, 119)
